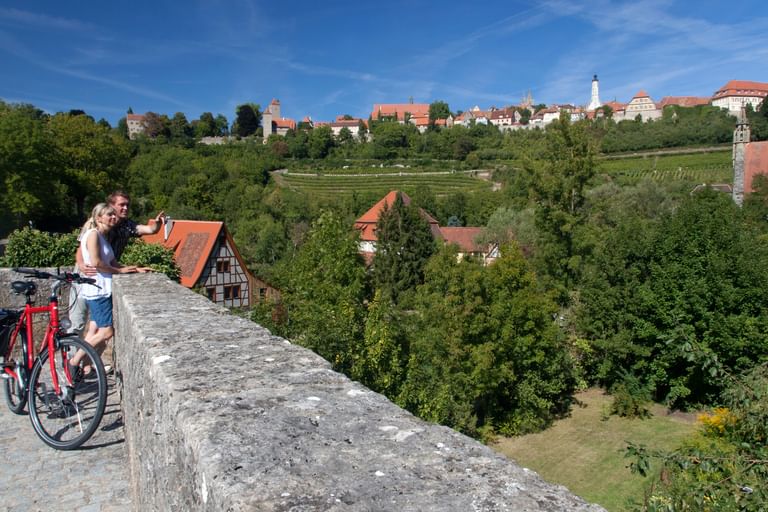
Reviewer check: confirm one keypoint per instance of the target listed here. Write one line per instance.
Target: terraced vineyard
(328, 185)
(713, 167)
(693, 168)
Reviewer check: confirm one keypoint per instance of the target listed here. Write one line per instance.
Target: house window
(231, 292)
(211, 292)
(262, 294)
(222, 266)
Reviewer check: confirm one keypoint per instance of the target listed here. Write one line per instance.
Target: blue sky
(333, 57)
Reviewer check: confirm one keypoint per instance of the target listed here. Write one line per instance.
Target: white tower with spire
(594, 103)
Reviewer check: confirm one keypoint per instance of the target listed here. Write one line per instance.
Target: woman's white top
(103, 280)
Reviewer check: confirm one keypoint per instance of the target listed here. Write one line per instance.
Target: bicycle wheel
(68, 419)
(14, 390)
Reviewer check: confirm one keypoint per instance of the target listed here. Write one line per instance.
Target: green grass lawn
(586, 453)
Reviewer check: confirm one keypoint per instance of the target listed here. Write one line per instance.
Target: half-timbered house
(209, 261)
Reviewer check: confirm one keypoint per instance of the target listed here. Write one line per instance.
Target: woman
(98, 253)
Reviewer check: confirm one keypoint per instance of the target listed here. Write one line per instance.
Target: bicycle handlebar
(68, 277)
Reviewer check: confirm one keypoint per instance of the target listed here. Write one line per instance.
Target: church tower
(594, 103)
(740, 140)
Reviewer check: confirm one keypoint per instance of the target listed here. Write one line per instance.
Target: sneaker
(75, 373)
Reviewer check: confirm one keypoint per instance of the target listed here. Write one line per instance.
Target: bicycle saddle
(25, 287)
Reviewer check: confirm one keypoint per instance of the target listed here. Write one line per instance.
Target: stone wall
(222, 416)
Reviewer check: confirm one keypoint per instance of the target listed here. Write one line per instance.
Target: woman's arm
(92, 245)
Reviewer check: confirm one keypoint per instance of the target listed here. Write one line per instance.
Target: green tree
(206, 126)
(247, 120)
(30, 188)
(320, 142)
(179, 130)
(438, 110)
(92, 158)
(379, 361)
(324, 292)
(222, 125)
(558, 185)
(156, 125)
(404, 245)
(484, 354)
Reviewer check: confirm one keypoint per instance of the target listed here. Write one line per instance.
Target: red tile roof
(192, 242)
(615, 105)
(463, 237)
(134, 117)
(742, 88)
(755, 162)
(274, 101)
(399, 110)
(684, 101)
(346, 122)
(641, 94)
(285, 123)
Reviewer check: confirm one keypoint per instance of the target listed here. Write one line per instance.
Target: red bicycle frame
(53, 326)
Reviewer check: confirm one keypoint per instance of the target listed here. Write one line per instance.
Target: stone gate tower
(740, 140)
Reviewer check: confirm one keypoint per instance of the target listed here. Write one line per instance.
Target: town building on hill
(273, 123)
(209, 260)
(135, 123)
(642, 105)
(415, 113)
(463, 237)
(402, 112)
(737, 94)
(466, 239)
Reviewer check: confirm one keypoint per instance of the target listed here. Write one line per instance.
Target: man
(118, 238)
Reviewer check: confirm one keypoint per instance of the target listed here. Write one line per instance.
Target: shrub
(157, 257)
(631, 398)
(32, 248)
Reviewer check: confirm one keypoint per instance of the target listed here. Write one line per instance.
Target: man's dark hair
(112, 198)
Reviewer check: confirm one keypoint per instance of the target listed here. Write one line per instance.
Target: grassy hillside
(586, 453)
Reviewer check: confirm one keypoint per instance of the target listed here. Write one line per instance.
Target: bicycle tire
(15, 393)
(67, 420)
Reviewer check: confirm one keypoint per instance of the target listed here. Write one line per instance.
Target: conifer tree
(405, 243)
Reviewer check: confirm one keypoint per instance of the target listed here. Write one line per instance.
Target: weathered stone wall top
(220, 415)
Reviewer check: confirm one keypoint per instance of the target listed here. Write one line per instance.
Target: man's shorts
(100, 311)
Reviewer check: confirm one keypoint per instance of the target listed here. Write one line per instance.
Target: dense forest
(646, 289)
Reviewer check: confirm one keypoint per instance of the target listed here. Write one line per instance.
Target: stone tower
(740, 140)
(269, 115)
(594, 102)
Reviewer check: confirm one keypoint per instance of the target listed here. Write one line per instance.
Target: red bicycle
(65, 404)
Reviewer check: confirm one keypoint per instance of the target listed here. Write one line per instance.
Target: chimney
(167, 227)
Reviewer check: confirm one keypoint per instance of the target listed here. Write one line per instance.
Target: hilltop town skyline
(342, 57)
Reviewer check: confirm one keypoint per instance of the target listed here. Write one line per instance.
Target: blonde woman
(98, 253)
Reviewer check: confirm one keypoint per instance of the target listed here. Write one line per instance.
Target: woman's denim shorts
(100, 311)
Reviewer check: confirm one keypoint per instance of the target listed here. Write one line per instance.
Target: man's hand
(153, 226)
(88, 270)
